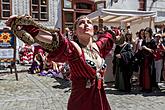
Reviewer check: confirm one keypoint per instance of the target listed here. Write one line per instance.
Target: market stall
(117, 17)
(113, 17)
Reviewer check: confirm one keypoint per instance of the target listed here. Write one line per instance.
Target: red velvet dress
(83, 98)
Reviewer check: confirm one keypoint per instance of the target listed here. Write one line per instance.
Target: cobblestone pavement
(33, 92)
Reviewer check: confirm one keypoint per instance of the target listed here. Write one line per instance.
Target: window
(83, 6)
(6, 8)
(39, 9)
(69, 16)
(68, 20)
(67, 3)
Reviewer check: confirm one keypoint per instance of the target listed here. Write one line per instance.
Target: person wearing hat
(159, 52)
(163, 69)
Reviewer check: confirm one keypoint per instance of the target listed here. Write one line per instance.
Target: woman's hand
(148, 49)
(151, 51)
(118, 55)
(10, 20)
(144, 47)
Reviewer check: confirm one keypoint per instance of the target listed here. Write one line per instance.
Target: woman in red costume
(147, 68)
(85, 58)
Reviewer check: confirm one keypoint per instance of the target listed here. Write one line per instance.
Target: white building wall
(154, 6)
(20, 7)
(158, 6)
(123, 4)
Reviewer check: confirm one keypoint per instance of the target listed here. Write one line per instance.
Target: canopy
(116, 15)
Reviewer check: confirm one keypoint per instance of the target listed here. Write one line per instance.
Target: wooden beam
(127, 17)
(131, 19)
(112, 18)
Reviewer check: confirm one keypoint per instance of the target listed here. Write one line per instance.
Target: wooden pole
(150, 22)
(99, 23)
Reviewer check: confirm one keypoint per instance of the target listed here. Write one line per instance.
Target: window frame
(39, 10)
(71, 1)
(74, 11)
(10, 10)
(68, 22)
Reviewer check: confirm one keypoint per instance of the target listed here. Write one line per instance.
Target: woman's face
(129, 37)
(84, 28)
(147, 34)
(142, 34)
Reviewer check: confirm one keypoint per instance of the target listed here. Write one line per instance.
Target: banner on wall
(7, 46)
(8, 49)
(6, 39)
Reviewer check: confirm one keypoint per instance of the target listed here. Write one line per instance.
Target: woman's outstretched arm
(26, 29)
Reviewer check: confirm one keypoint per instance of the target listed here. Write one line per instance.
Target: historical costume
(38, 62)
(26, 54)
(123, 67)
(87, 79)
(86, 93)
(159, 52)
(147, 68)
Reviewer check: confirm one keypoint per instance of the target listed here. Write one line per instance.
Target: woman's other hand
(13, 17)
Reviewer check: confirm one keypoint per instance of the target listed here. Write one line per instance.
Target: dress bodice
(82, 66)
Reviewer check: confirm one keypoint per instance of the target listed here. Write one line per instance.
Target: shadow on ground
(109, 89)
(63, 83)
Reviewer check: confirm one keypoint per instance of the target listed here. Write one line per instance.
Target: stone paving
(33, 92)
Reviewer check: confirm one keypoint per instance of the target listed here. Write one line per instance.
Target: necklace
(90, 52)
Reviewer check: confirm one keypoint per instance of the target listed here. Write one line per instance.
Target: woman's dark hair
(120, 40)
(141, 30)
(149, 30)
(112, 33)
(75, 39)
(126, 37)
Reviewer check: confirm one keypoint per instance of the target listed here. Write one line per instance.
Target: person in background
(147, 67)
(26, 54)
(159, 52)
(38, 63)
(163, 69)
(96, 29)
(96, 32)
(123, 54)
(85, 59)
(137, 55)
(138, 41)
(129, 39)
(68, 33)
(51, 69)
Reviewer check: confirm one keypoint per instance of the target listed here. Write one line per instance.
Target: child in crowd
(37, 65)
